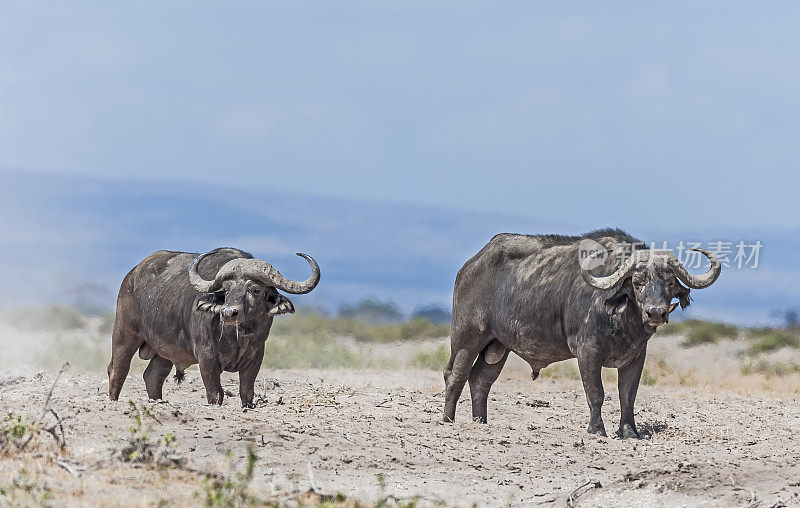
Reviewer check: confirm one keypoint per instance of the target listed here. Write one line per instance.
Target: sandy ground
(343, 430)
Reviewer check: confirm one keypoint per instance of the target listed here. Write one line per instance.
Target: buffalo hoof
(627, 431)
(534, 375)
(600, 431)
(447, 419)
(215, 399)
(249, 405)
(479, 419)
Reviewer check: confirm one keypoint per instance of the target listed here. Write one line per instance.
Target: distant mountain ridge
(62, 232)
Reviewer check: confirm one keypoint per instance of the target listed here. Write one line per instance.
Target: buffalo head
(244, 289)
(649, 280)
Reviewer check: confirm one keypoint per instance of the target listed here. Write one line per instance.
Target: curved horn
(639, 256)
(264, 272)
(698, 281)
(254, 269)
(199, 283)
(612, 280)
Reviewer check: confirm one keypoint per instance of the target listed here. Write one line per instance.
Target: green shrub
(312, 323)
(23, 492)
(433, 360)
(16, 432)
(769, 369)
(673, 328)
(141, 448)
(706, 332)
(648, 378)
(312, 351)
(771, 339)
(415, 329)
(564, 370)
(233, 490)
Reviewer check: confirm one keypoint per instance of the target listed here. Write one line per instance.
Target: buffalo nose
(229, 312)
(657, 313)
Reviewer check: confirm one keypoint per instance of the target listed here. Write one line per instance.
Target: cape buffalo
(531, 295)
(214, 309)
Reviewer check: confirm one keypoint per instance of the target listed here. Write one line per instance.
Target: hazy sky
(623, 114)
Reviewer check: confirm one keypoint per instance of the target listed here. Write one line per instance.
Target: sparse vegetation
(706, 332)
(672, 328)
(313, 323)
(687, 378)
(655, 369)
(312, 340)
(763, 340)
(17, 433)
(388, 500)
(233, 490)
(771, 339)
(312, 351)
(769, 369)
(567, 369)
(308, 339)
(23, 492)
(140, 447)
(649, 378)
(699, 331)
(434, 360)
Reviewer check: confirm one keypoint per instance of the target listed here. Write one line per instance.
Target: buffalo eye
(256, 291)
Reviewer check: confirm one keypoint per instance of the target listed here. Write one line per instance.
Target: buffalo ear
(683, 296)
(279, 304)
(617, 303)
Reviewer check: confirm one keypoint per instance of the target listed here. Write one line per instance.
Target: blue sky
(678, 116)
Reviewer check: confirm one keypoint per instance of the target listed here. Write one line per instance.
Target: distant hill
(67, 239)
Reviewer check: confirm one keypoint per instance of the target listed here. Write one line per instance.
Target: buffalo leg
(123, 347)
(591, 371)
(154, 375)
(457, 372)
(481, 378)
(247, 379)
(210, 372)
(628, 383)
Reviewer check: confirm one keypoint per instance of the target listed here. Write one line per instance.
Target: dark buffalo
(215, 309)
(531, 295)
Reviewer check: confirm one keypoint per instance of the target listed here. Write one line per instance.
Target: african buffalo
(533, 296)
(214, 309)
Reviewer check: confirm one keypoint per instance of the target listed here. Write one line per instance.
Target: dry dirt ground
(375, 434)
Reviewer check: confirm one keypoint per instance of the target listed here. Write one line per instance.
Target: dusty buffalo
(214, 309)
(533, 296)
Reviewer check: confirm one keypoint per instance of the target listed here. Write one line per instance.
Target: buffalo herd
(539, 296)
